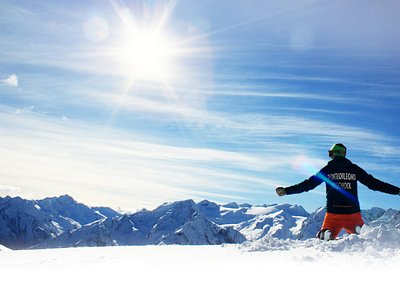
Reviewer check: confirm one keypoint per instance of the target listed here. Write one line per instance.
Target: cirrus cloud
(11, 80)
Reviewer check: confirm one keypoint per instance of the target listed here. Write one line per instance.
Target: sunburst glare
(146, 54)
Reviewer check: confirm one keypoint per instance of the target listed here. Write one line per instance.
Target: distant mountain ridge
(63, 222)
(26, 223)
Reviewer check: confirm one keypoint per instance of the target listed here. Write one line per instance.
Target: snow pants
(336, 222)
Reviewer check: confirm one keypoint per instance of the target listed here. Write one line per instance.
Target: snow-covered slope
(184, 223)
(23, 223)
(26, 223)
(282, 221)
(69, 209)
(379, 238)
(3, 248)
(173, 223)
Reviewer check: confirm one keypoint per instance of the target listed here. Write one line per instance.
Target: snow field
(228, 263)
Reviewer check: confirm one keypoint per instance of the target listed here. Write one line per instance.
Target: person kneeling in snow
(343, 207)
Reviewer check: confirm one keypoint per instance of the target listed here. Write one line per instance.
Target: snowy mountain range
(63, 222)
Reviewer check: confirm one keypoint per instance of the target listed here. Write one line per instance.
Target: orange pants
(336, 222)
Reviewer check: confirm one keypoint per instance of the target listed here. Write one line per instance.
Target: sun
(146, 54)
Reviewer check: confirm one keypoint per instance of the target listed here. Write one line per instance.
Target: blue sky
(134, 103)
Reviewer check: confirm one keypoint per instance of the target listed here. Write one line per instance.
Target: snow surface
(275, 261)
(3, 248)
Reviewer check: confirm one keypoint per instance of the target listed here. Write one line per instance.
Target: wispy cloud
(9, 190)
(48, 157)
(251, 127)
(11, 80)
(25, 109)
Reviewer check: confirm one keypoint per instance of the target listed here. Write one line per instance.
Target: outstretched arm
(374, 184)
(304, 186)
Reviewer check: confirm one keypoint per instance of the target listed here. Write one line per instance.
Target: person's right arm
(374, 184)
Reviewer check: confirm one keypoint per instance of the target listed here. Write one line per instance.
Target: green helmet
(337, 149)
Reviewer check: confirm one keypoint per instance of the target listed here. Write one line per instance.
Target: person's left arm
(374, 184)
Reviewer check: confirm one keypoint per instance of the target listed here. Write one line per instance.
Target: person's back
(341, 189)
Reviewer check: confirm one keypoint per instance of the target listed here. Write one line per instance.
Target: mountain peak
(66, 197)
(189, 203)
(231, 205)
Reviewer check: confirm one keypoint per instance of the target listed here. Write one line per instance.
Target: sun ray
(166, 15)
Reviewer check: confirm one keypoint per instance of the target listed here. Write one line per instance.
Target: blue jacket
(341, 177)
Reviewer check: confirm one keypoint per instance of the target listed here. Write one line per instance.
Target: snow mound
(379, 239)
(3, 248)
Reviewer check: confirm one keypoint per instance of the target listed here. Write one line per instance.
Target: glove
(280, 191)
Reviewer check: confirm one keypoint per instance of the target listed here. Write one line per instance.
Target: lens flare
(305, 166)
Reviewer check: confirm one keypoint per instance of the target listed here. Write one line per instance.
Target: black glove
(280, 191)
